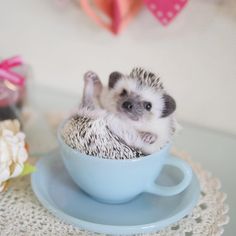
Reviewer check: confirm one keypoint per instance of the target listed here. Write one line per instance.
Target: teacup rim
(83, 155)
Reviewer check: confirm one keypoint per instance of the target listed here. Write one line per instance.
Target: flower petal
(17, 171)
(4, 175)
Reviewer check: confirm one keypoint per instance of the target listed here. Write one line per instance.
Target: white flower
(13, 153)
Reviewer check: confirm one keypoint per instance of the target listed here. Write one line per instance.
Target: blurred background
(195, 54)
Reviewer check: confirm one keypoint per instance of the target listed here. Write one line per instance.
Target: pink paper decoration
(6, 72)
(165, 10)
(118, 12)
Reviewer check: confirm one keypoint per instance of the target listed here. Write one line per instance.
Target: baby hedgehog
(89, 129)
(135, 109)
(140, 101)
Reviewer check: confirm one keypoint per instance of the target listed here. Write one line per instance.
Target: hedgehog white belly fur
(89, 132)
(165, 128)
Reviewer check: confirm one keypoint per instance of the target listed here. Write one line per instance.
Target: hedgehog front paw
(91, 78)
(148, 137)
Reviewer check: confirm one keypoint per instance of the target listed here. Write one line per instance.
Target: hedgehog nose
(127, 105)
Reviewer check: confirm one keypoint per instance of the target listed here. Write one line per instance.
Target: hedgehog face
(130, 104)
(137, 100)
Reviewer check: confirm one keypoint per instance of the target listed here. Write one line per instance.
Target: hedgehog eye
(123, 93)
(148, 106)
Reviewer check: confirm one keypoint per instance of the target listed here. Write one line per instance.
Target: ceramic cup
(118, 181)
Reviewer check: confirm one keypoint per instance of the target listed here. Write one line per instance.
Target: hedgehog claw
(91, 76)
(148, 137)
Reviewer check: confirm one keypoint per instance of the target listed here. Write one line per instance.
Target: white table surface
(214, 150)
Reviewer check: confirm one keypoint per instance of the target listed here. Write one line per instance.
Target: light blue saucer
(146, 213)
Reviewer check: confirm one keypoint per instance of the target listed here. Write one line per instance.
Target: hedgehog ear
(169, 105)
(113, 78)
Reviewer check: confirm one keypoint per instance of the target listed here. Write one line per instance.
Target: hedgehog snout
(127, 105)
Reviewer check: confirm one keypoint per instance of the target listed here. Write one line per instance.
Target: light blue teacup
(118, 181)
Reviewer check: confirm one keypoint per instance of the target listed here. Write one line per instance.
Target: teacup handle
(173, 190)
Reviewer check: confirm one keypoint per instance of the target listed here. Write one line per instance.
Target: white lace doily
(21, 213)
